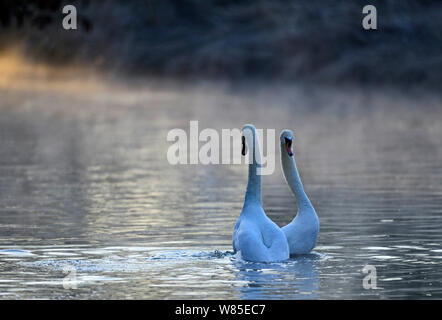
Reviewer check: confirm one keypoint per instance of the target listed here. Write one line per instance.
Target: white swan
(256, 237)
(302, 232)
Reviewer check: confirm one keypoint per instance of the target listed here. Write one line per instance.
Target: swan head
(286, 138)
(248, 133)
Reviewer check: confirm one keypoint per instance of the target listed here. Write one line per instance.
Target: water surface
(85, 185)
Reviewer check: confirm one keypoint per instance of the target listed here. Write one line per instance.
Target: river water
(90, 207)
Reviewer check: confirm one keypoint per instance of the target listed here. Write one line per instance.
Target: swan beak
(243, 149)
(288, 145)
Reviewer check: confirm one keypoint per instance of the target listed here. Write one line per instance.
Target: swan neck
(253, 192)
(293, 179)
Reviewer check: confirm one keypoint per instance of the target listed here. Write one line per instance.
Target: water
(85, 186)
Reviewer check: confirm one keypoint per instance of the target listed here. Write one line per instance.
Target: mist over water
(85, 182)
(229, 39)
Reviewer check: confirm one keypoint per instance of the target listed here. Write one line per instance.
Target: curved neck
(293, 179)
(253, 192)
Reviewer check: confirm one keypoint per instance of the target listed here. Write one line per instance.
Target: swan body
(256, 237)
(302, 232)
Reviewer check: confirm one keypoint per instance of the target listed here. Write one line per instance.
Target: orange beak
(288, 146)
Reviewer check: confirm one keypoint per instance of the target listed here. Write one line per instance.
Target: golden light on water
(18, 73)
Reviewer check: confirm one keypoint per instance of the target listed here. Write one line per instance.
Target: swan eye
(243, 149)
(288, 145)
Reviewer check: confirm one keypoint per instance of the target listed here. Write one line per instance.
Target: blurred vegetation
(288, 40)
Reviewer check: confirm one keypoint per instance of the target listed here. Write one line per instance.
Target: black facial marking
(288, 145)
(288, 141)
(243, 149)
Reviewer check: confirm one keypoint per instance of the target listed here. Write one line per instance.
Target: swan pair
(256, 237)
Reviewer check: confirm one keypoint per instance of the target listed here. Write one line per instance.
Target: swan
(255, 237)
(302, 232)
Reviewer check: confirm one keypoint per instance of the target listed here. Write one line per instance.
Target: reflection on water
(84, 182)
(293, 279)
(157, 273)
